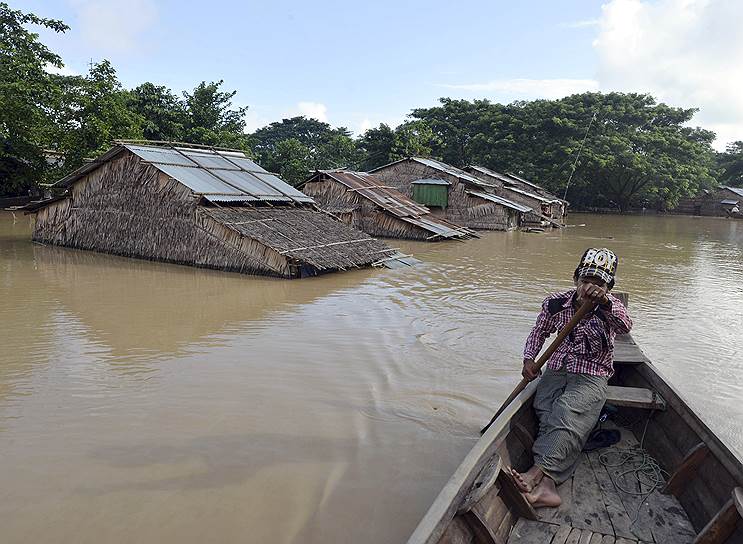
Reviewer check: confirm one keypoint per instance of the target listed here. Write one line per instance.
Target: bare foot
(544, 494)
(522, 481)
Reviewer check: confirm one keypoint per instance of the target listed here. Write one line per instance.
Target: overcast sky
(357, 64)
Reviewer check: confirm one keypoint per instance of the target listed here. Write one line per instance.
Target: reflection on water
(156, 403)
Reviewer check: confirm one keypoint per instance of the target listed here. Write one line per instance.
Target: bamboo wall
(127, 207)
(556, 209)
(708, 204)
(361, 213)
(463, 209)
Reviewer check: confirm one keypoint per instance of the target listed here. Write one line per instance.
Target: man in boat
(572, 391)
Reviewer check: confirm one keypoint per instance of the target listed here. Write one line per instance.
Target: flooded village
(264, 283)
(130, 217)
(215, 208)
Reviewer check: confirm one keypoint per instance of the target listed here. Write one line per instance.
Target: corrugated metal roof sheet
(375, 190)
(729, 202)
(737, 190)
(530, 194)
(538, 188)
(453, 170)
(492, 173)
(438, 226)
(526, 181)
(430, 181)
(396, 203)
(511, 178)
(502, 201)
(218, 175)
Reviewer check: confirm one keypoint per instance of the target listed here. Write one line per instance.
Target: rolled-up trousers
(568, 407)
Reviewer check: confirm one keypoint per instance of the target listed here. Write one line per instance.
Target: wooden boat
(699, 499)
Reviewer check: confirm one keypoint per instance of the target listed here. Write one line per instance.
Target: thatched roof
(394, 202)
(235, 195)
(306, 235)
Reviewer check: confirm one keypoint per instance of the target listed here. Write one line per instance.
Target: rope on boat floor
(633, 471)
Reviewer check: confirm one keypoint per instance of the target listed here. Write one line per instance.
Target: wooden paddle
(585, 308)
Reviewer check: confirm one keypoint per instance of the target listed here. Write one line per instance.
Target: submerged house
(452, 193)
(198, 206)
(524, 192)
(724, 201)
(365, 202)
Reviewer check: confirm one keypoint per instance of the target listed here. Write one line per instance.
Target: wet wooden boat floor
(595, 511)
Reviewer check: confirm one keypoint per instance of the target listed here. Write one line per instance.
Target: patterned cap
(598, 262)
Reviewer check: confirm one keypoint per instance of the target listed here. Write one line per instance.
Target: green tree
(292, 161)
(414, 139)
(92, 112)
(323, 146)
(636, 151)
(461, 128)
(730, 163)
(27, 94)
(375, 147)
(339, 151)
(163, 113)
(211, 120)
(311, 133)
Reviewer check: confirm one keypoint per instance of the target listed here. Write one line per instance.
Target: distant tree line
(608, 150)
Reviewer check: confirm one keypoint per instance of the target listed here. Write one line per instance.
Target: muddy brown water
(145, 402)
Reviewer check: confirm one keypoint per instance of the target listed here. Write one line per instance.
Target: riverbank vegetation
(615, 150)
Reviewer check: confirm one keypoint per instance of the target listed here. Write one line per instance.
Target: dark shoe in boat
(602, 438)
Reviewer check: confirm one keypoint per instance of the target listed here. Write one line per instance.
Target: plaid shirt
(589, 348)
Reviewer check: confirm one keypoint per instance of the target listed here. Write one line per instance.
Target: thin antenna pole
(575, 162)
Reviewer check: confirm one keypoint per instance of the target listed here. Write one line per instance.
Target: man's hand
(530, 370)
(591, 292)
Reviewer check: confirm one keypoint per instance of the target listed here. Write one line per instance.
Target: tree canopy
(730, 163)
(636, 152)
(27, 96)
(308, 144)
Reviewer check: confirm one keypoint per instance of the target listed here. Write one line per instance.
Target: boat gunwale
(675, 400)
(444, 508)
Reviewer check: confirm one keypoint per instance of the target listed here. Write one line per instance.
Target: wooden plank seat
(635, 397)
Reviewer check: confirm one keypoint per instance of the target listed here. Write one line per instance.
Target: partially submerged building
(724, 201)
(452, 193)
(199, 206)
(524, 192)
(365, 202)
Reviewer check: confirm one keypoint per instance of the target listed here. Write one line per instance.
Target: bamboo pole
(585, 309)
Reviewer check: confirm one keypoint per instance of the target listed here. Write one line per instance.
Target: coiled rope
(633, 471)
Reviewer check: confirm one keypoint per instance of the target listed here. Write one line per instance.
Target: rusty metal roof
(396, 203)
(373, 188)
